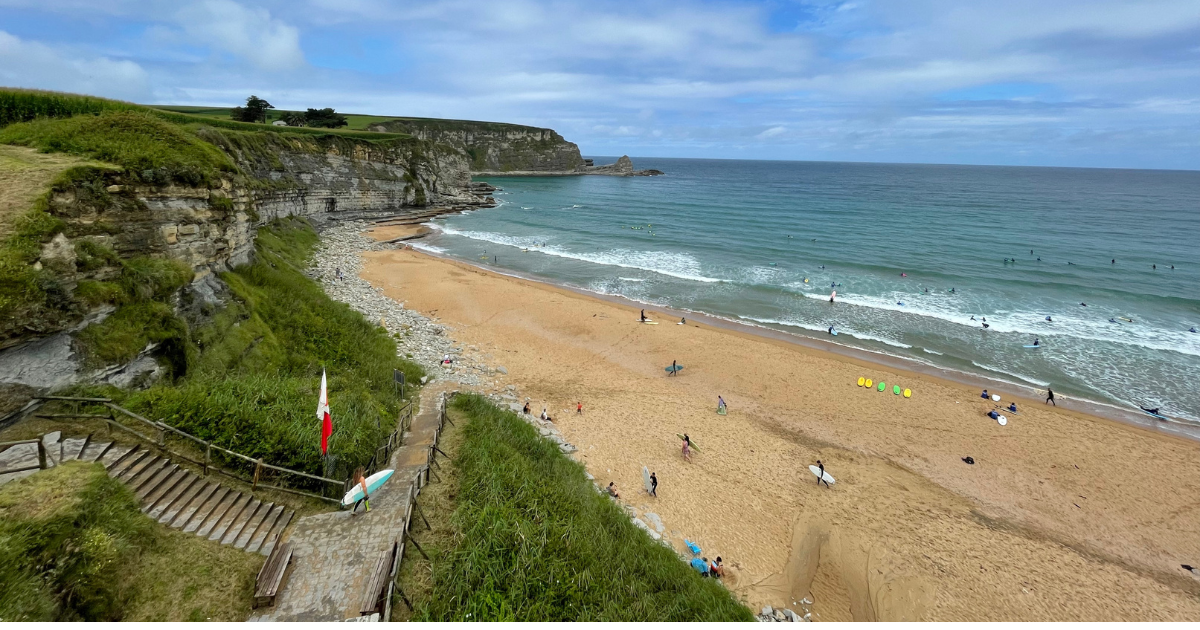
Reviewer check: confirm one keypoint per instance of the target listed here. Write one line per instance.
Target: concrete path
(334, 553)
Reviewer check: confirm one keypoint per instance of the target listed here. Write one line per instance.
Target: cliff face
(212, 228)
(496, 148)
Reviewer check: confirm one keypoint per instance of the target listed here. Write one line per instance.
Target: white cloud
(25, 63)
(772, 132)
(249, 33)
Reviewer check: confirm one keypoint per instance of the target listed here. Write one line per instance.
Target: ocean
(919, 255)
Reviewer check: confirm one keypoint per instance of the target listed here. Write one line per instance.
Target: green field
(521, 534)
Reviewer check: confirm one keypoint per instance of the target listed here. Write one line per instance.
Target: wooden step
(193, 516)
(126, 464)
(253, 525)
(70, 448)
(19, 456)
(165, 487)
(151, 479)
(268, 523)
(156, 507)
(212, 512)
(238, 524)
(196, 493)
(95, 450)
(116, 455)
(276, 532)
(136, 478)
(221, 523)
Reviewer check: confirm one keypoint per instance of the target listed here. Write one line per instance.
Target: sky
(1021, 82)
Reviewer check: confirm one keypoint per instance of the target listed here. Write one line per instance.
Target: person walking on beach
(653, 485)
(687, 447)
(674, 368)
(1050, 397)
(821, 477)
(721, 406)
(361, 481)
(579, 408)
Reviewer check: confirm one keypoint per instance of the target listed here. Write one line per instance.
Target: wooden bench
(378, 583)
(270, 576)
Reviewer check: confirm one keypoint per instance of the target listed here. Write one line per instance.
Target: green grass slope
(75, 547)
(534, 541)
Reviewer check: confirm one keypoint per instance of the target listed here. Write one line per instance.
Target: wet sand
(1064, 516)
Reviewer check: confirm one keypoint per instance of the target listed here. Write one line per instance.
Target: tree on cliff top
(255, 110)
(324, 118)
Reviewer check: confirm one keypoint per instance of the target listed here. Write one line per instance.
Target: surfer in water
(1036, 341)
(653, 485)
(687, 447)
(361, 480)
(821, 477)
(1048, 319)
(1192, 329)
(1050, 397)
(831, 327)
(1151, 411)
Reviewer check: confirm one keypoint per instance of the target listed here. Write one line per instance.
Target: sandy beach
(1063, 516)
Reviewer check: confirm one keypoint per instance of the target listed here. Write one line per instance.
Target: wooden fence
(159, 432)
(402, 542)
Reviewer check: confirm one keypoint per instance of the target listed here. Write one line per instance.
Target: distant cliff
(496, 148)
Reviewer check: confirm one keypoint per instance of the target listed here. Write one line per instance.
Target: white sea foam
(425, 247)
(932, 351)
(677, 265)
(631, 279)
(841, 330)
(1027, 379)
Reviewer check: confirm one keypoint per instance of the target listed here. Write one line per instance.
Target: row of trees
(255, 111)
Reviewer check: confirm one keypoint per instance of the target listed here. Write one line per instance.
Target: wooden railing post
(257, 472)
(41, 455)
(207, 457)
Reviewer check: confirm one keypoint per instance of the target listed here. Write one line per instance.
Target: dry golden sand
(1063, 516)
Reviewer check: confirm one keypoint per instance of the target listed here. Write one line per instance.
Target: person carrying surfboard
(653, 485)
(687, 447)
(821, 477)
(721, 403)
(361, 480)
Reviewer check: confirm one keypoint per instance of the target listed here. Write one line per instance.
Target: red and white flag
(323, 415)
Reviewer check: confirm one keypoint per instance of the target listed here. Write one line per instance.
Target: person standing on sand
(643, 315)
(821, 477)
(721, 403)
(579, 408)
(653, 485)
(674, 368)
(687, 447)
(1050, 397)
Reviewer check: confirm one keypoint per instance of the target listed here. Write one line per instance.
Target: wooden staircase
(169, 494)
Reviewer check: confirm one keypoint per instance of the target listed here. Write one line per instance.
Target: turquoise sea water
(763, 243)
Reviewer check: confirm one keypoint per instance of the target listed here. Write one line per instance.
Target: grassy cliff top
(358, 122)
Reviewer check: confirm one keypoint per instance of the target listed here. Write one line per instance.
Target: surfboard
(694, 447)
(908, 393)
(896, 390)
(646, 322)
(646, 479)
(996, 397)
(1032, 346)
(828, 478)
(1002, 420)
(882, 386)
(673, 368)
(1154, 415)
(867, 383)
(1125, 319)
(374, 482)
(861, 380)
(721, 411)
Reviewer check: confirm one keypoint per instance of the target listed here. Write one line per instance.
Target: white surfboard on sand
(826, 477)
(646, 480)
(1002, 420)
